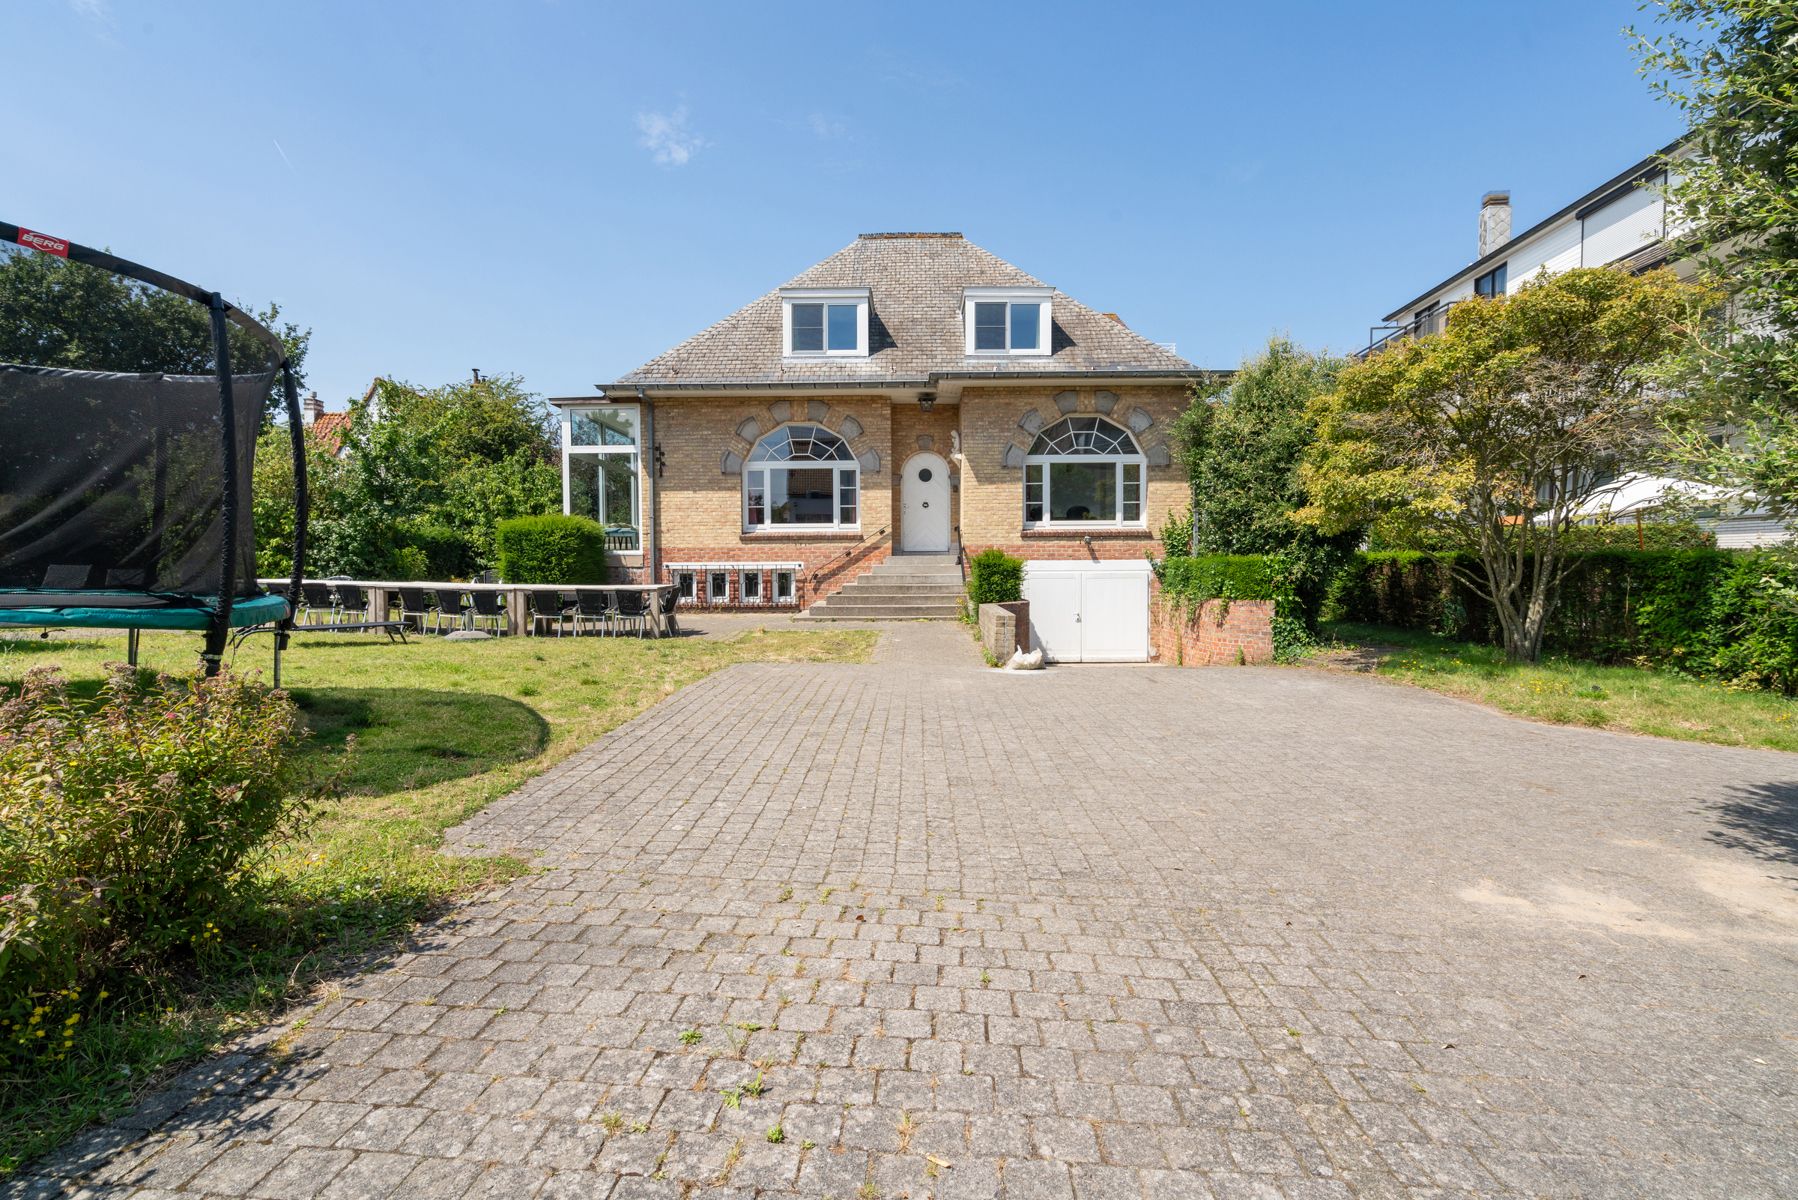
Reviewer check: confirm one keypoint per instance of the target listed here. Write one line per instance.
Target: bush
(435, 551)
(1714, 613)
(551, 549)
(994, 577)
(129, 826)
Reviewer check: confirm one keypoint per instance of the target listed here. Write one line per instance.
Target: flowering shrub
(129, 826)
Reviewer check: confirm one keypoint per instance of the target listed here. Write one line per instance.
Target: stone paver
(1091, 932)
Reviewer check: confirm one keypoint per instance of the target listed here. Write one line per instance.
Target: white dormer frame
(825, 296)
(1041, 296)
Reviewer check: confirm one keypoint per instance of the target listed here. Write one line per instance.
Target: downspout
(652, 544)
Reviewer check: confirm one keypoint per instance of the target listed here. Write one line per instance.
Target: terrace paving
(1089, 932)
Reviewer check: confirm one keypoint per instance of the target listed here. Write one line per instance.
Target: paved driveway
(1103, 931)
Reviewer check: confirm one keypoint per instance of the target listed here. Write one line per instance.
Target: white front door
(924, 504)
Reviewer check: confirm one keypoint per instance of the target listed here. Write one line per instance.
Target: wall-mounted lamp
(926, 401)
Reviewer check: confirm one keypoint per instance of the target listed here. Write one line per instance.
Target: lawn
(439, 729)
(1568, 692)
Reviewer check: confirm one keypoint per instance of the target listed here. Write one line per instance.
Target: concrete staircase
(906, 587)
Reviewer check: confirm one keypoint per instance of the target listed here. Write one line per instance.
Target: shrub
(551, 549)
(437, 551)
(129, 826)
(994, 577)
(1714, 613)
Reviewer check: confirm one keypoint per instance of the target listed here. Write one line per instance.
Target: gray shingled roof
(915, 281)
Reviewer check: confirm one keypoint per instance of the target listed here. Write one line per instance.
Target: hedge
(1192, 580)
(551, 549)
(1713, 613)
(994, 577)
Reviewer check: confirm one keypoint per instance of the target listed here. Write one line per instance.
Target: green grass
(1568, 692)
(440, 729)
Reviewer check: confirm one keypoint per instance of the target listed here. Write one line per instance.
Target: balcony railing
(1422, 325)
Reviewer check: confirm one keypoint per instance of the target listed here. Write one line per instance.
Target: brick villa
(911, 395)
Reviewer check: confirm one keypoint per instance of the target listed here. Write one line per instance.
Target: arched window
(801, 475)
(1083, 471)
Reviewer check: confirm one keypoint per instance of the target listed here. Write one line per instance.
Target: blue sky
(564, 190)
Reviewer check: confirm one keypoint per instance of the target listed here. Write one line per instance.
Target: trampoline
(126, 459)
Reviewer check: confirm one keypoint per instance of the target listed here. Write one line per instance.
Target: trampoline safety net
(112, 447)
(111, 485)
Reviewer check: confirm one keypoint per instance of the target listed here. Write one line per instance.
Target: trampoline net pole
(301, 503)
(220, 627)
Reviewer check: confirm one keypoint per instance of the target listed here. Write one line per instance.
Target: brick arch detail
(1089, 402)
(815, 412)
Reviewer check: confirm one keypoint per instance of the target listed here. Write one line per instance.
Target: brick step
(919, 592)
(830, 609)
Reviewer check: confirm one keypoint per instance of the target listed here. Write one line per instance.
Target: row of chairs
(599, 612)
(586, 612)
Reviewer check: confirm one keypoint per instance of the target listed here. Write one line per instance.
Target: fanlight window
(1083, 471)
(1084, 435)
(801, 475)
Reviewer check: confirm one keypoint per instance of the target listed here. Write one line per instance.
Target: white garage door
(1089, 612)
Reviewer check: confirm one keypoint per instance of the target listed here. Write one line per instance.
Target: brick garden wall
(1216, 635)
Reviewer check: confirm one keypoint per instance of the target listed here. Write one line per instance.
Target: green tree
(1242, 441)
(1492, 436)
(57, 313)
(423, 463)
(1731, 68)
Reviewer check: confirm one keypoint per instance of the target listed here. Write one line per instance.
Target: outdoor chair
(134, 579)
(352, 603)
(318, 598)
(546, 606)
(598, 608)
(667, 600)
(487, 608)
(633, 609)
(415, 605)
(450, 604)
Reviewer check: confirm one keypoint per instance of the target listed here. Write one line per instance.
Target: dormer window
(828, 322)
(1007, 320)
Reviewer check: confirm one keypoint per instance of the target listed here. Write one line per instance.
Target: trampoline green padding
(257, 610)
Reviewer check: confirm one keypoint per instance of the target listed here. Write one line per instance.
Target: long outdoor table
(518, 617)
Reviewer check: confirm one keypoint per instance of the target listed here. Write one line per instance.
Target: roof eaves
(1502, 252)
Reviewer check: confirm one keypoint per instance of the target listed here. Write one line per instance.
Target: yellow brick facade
(699, 495)
(995, 419)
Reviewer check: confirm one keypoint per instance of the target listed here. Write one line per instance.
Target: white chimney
(313, 407)
(1495, 221)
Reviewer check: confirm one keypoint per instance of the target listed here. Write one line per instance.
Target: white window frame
(743, 579)
(712, 596)
(792, 589)
(827, 297)
(690, 581)
(633, 453)
(1038, 465)
(841, 470)
(1040, 296)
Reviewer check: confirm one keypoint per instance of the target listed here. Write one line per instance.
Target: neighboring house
(912, 397)
(328, 429)
(1622, 223)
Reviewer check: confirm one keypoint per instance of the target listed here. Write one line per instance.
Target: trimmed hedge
(443, 552)
(1714, 613)
(551, 549)
(994, 577)
(1220, 576)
